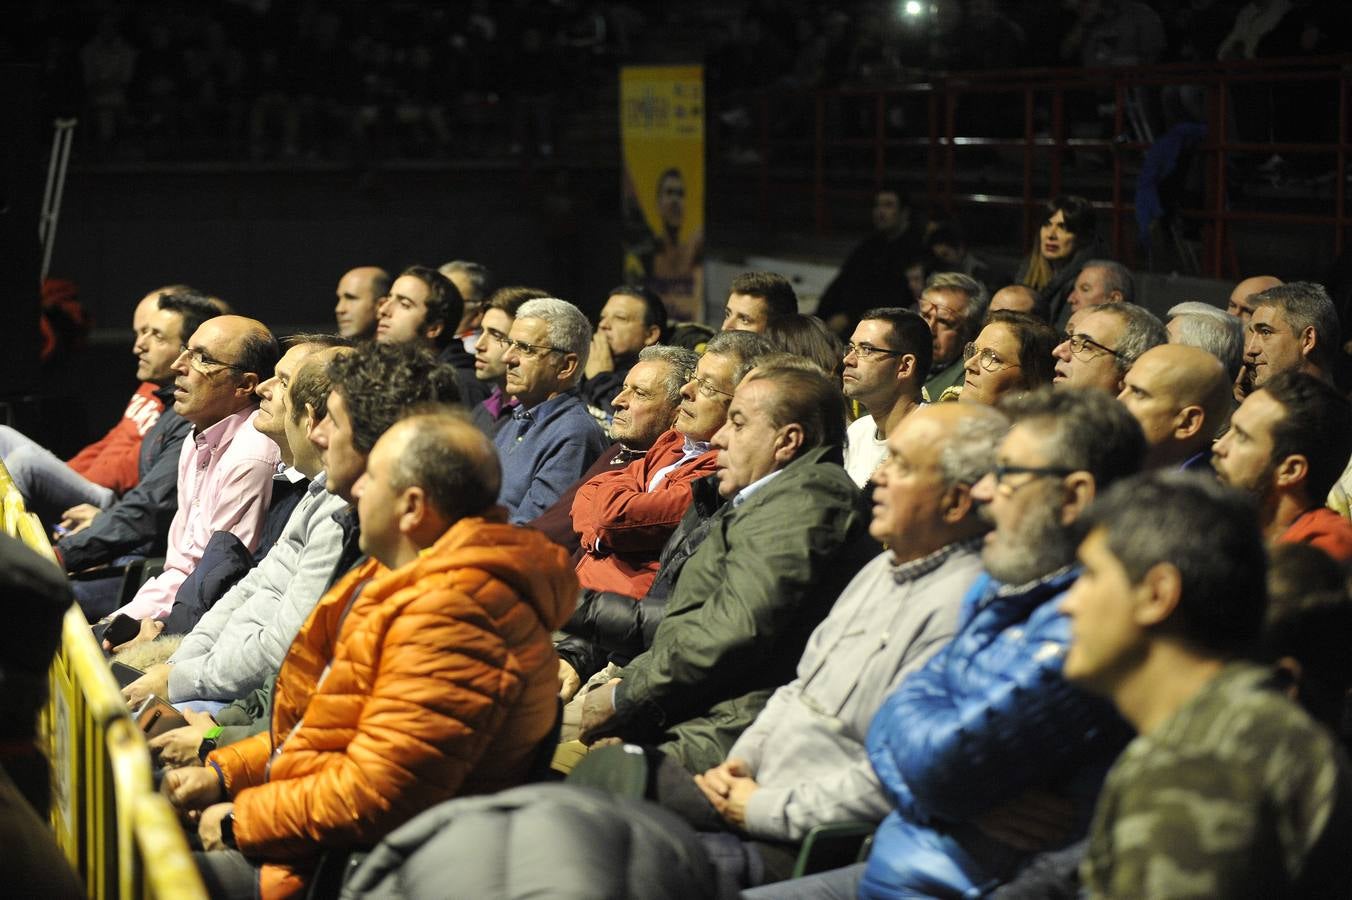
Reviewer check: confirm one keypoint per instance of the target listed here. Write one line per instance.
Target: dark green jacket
(743, 608)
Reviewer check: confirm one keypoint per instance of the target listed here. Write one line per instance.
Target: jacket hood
(536, 568)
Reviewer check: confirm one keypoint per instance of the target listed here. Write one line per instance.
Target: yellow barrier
(102, 778)
(159, 838)
(121, 836)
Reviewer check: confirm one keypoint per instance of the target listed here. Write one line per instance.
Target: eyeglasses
(868, 351)
(1000, 473)
(530, 350)
(1079, 343)
(206, 364)
(987, 358)
(706, 387)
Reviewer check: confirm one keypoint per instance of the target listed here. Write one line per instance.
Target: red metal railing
(784, 157)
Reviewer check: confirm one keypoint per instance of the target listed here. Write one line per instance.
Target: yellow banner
(662, 139)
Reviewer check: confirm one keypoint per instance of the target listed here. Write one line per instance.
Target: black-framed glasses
(868, 351)
(1001, 472)
(706, 387)
(987, 358)
(206, 363)
(531, 350)
(1081, 342)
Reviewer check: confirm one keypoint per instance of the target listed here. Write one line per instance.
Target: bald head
(359, 293)
(922, 497)
(1015, 298)
(451, 459)
(140, 318)
(1181, 396)
(1241, 298)
(427, 471)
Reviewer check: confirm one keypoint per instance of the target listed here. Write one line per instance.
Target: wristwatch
(209, 742)
(228, 830)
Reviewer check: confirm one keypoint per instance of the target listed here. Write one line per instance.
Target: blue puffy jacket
(986, 718)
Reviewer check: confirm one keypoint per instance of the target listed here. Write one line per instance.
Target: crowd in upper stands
(1045, 592)
(292, 81)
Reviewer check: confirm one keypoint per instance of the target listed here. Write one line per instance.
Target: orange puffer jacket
(439, 681)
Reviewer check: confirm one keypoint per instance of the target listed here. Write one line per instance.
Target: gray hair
(475, 273)
(680, 366)
(1305, 304)
(1141, 330)
(745, 346)
(1213, 330)
(1083, 429)
(971, 453)
(1116, 277)
(569, 329)
(975, 291)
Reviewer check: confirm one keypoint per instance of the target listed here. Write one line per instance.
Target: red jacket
(439, 680)
(624, 526)
(112, 460)
(1323, 528)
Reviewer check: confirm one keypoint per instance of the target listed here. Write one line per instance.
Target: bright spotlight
(913, 7)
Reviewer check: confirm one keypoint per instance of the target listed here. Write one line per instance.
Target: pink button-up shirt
(224, 484)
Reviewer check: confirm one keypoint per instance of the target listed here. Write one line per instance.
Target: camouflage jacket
(1238, 794)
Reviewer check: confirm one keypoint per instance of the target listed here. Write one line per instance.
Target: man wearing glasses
(988, 754)
(1102, 343)
(551, 438)
(886, 362)
(226, 466)
(135, 524)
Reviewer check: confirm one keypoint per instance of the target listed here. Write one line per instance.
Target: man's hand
(729, 787)
(600, 359)
(569, 681)
(179, 747)
(1034, 821)
(195, 787)
(150, 629)
(78, 518)
(598, 708)
(154, 681)
(209, 828)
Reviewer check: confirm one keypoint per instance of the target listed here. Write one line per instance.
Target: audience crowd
(1043, 592)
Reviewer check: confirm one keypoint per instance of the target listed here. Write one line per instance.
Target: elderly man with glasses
(1102, 343)
(886, 363)
(551, 438)
(987, 753)
(226, 467)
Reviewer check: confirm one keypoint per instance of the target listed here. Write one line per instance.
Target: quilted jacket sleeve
(1025, 726)
(438, 697)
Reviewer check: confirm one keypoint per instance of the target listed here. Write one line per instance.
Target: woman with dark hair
(808, 337)
(1066, 241)
(1012, 354)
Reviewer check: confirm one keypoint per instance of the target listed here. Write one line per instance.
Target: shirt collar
(918, 568)
(218, 433)
(751, 488)
(693, 447)
(541, 408)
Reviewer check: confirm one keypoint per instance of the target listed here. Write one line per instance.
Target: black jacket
(139, 521)
(611, 627)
